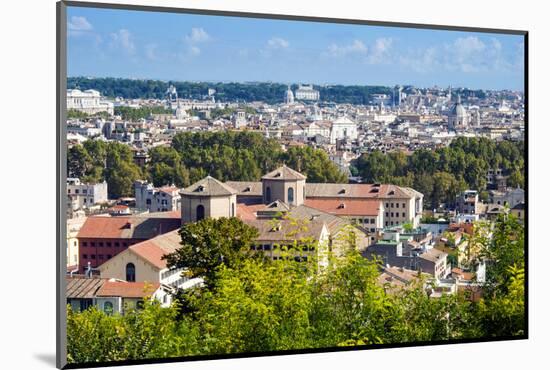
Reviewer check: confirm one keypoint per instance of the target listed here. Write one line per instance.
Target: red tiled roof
(346, 207)
(128, 227)
(127, 289)
(248, 212)
(153, 250)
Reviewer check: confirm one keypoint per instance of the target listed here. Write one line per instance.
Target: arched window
(290, 195)
(200, 212)
(130, 272)
(268, 194)
(232, 209)
(108, 308)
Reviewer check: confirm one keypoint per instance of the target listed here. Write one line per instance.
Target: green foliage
(442, 173)
(226, 92)
(96, 161)
(76, 114)
(210, 243)
(255, 304)
(135, 114)
(152, 332)
(246, 156)
(314, 163)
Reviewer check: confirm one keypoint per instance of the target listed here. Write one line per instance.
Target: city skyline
(183, 47)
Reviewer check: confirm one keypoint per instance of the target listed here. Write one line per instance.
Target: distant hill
(225, 92)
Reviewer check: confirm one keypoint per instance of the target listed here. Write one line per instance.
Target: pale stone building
(88, 101)
(208, 198)
(163, 199)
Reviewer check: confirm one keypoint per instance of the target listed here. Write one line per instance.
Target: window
(100, 244)
(84, 191)
(268, 194)
(76, 191)
(85, 256)
(69, 191)
(387, 214)
(100, 256)
(117, 244)
(290, 195)
(200, 212)
(109, 256)
(387, 205)
(84, 200)
(130, 272)
(403, 214)
(108, 244)
(392, 214)
(92, 244)
(396, 205)
(148, 202)
(391, 223)
(391, 205)
(372, 221)
(92, 256)
(84, 244)
(108, 308)
(403, 205)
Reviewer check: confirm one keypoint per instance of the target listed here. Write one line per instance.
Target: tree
(79, 161)
(210, 243)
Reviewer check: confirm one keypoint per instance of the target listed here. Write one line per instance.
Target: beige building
(73, 227)
(143, 262)
(284, 184)
(208, 198)
(399, 204)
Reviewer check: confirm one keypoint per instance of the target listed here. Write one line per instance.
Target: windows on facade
(108, 308)
(290, 195)
(200, 212)
(130, 272)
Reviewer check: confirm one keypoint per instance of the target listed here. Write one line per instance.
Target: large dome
(458, 109)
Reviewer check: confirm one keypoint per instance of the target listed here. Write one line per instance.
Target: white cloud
(79, 24)
(277, 43)
(421, 60)
(123, 39)
(356, 47)
(197, 35)
(465, 54)
(194, 51)
(380, 51)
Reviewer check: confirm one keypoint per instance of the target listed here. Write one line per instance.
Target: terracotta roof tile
(128, 227)
(127, 289)
(346, 207)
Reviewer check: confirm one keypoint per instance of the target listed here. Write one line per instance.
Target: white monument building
(343, 128)
(306, 92)
(88, 101)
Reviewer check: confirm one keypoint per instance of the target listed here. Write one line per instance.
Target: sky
(184, 47)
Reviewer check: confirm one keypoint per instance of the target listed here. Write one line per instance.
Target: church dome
(458, 109)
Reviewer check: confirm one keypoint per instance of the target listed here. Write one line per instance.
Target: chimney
(88, 273)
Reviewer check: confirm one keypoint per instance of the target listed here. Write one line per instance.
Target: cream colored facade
(279, 190)
(115, 268)
(398, 211)
(214, 207)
